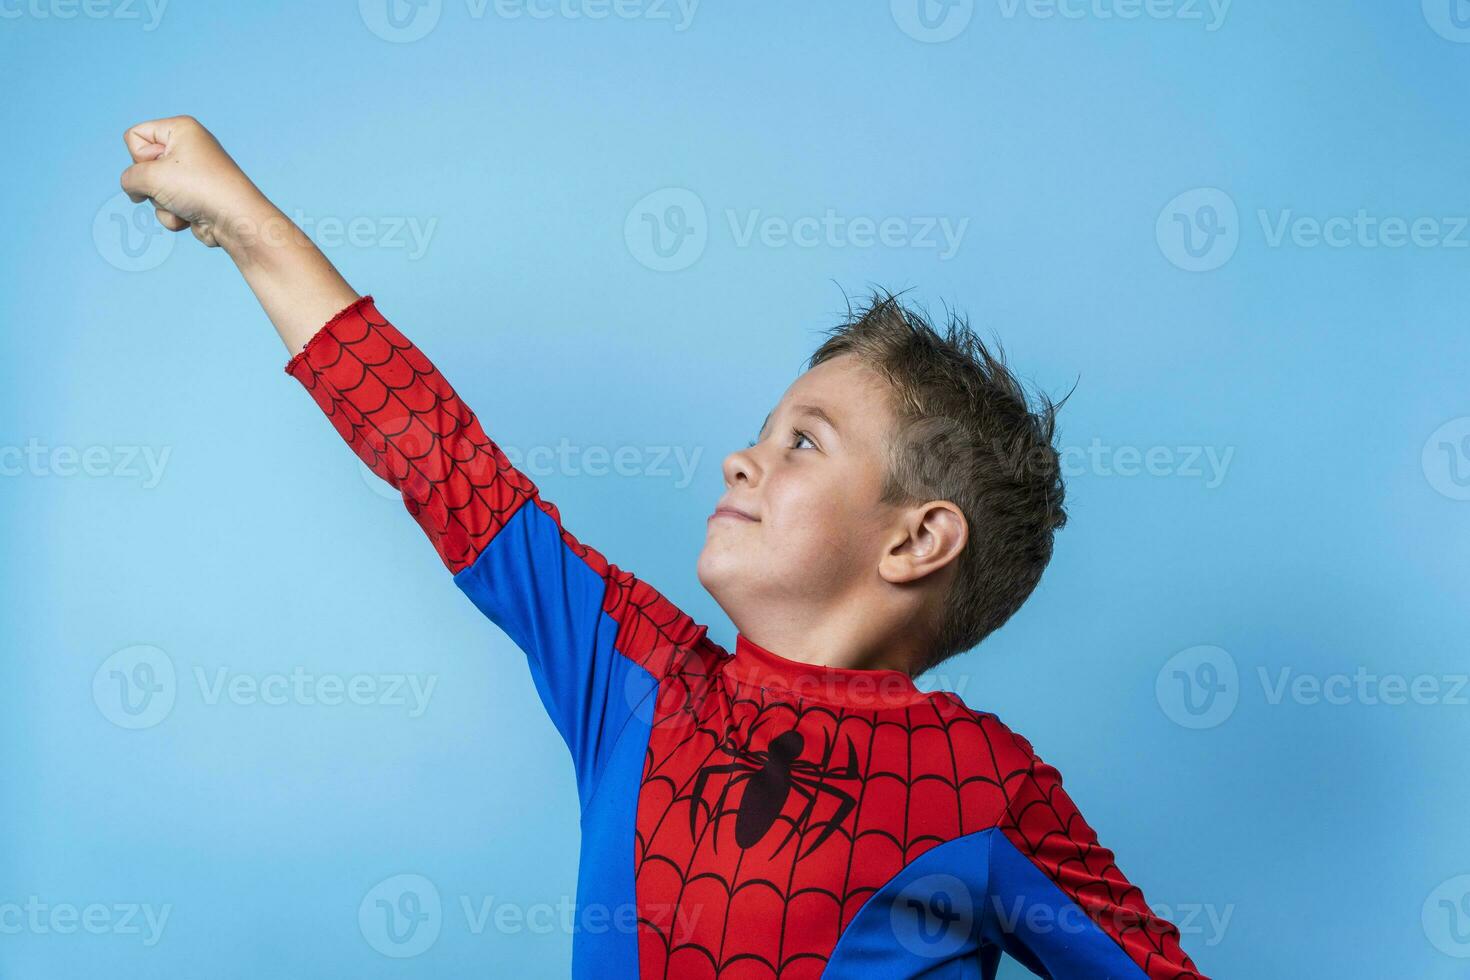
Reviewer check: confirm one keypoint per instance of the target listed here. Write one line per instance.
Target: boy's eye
(798, 435)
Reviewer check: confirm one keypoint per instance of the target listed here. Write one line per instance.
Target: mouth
(731, 513)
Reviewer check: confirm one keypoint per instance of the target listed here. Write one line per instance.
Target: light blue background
(1333, 543)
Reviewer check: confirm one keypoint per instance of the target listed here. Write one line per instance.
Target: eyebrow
(815, 411)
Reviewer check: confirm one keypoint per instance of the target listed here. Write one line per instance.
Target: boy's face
(816, 529)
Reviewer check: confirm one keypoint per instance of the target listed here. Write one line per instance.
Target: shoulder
(984, 735)
(999, 767)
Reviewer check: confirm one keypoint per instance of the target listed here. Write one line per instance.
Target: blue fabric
(1035, 921)
(549, 601)
(952, 910)
(605, 943)
(924, 921)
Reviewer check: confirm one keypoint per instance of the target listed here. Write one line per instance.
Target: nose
(741, 465)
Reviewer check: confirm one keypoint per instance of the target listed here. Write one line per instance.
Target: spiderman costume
(765, 817)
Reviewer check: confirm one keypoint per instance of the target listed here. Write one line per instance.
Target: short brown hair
(965, 432)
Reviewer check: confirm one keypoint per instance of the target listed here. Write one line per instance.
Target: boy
(798, 808)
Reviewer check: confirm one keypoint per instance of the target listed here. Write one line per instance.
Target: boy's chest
(765, 821)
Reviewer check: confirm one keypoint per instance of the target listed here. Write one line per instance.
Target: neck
(864, 632)
(757, 665)
(845, 649)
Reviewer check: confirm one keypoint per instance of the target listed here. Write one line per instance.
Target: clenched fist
(192, 182)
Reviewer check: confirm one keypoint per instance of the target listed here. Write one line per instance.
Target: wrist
(255, 229)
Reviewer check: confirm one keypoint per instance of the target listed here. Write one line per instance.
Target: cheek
(816, 520)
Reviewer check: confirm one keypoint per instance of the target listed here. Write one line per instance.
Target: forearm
(297, 286)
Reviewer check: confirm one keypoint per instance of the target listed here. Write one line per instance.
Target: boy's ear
(927, 538)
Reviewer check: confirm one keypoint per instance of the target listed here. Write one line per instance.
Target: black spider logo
(771, 776)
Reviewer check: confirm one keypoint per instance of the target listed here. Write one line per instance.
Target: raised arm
(193, 183)
(598, 640)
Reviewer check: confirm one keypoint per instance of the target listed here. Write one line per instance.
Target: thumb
(140, 180)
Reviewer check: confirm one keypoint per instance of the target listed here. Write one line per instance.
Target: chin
(709, 567)
(719, 569)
